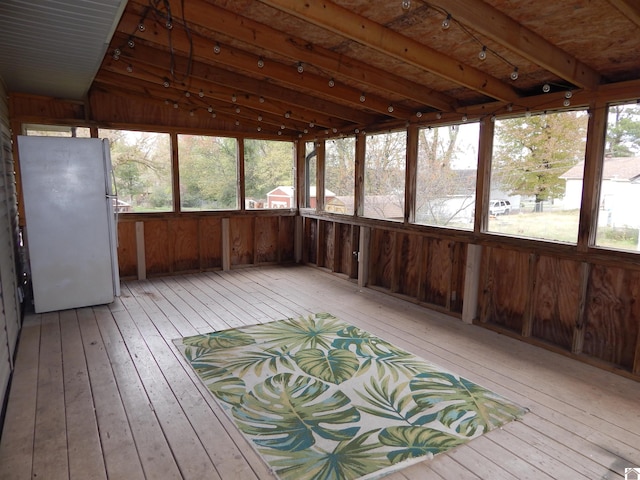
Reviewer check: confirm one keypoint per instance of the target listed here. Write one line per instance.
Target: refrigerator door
(69, 223)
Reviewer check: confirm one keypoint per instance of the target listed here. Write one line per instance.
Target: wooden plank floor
(102, 393)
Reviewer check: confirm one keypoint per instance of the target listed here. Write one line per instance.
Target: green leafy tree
(208, 172)
(623, 131)
(532, 152)
(267, 164)
(142, 167)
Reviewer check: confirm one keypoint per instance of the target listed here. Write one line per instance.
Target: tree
(445, 190)
(384, 174)
(623, 131)
(532, 152)
(267, 164)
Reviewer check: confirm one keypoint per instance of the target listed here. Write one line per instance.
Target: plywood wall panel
(127, 261)
(241, 232)
(266, 239)
(345, 248)
(185, 239)
(286, 236)
(437, 270)
(210, 232)
(156, 247)
(408, 256)
(326, 252)
(556, 298)
(506, 287)
(612, 315)
(382, 258)
(458, 268)
(310, 241)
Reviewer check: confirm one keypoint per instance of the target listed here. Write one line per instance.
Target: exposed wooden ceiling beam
(284, 74)
(308, 108)
(631, 8)
(342, 21)
(222, 21)
(497, 26)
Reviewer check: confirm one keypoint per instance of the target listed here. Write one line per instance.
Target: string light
(483, 53)
(213, 115)
(259, 118)
(166, 83)
(446, 23)
(201, 93)
(175, 104)
(566, 102)
(210, 109)
(546, 88)
(406, 4)
(438, 115)
(419, 114)
(261, 99)
(332, 83)
(287, 114)
(260, 62)
(187, 94)
(300, 67)
(362, 97)
(237, 109)
(234, 98)
(279, 132)
(390, 109)
(141, 27)
(131, 43)
(568, 94)
(217, 49)
(465, 118)
(514, 75)
(334, 130)
(129, 68)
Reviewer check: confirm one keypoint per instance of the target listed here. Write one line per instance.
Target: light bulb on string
(446, 23)
(201, 93)
(362, 97)
(406, 4)
(483, 53)
(390, 109)
(131, 43)
(546, 88)
(261, 99)
(300, 67)
(141, 27)
(216, 48)
(210, 109)
(129, 68)
(419, 114)
(260, 62)
(566, 102)
(568, 94)
(514, 75)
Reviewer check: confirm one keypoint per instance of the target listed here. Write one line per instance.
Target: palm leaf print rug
(321, 399)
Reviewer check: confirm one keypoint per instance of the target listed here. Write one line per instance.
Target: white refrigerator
(70, 218)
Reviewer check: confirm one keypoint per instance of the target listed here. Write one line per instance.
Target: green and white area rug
(321, 399)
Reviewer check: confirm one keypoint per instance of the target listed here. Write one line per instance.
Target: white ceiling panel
(55, 47)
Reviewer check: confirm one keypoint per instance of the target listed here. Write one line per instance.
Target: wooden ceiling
(320, 67)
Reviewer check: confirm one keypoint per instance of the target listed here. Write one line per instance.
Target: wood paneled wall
(587, 309)
(181, 243)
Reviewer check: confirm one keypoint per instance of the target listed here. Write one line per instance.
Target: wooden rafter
(631, 8)
(310, 109)
(500, 28)
(217, 19)
(283, 74)
(342, 21)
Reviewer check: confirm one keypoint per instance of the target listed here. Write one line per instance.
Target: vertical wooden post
(596, 137)
(140, 252)
(411, 174)
(241, 183)
(471, 283)
(358, 199)
(363, 256)
(320, 157)
(300, 174)
(226, 245)
(175, 172)
(483, 180)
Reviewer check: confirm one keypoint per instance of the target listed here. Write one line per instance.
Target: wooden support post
(358, 199)
(411, 174)
(226, 245)
(363, 256)
(578, 331)
(471, 283)
(140, 253)
(320, 184)
(483, 179)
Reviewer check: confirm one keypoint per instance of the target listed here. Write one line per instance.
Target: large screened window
(56, 131)
(142, 167)
(536, 175)
(340, 160)
(208, 172)
(268, 174)
(446, 175)
(384, 175)
(618, 216)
